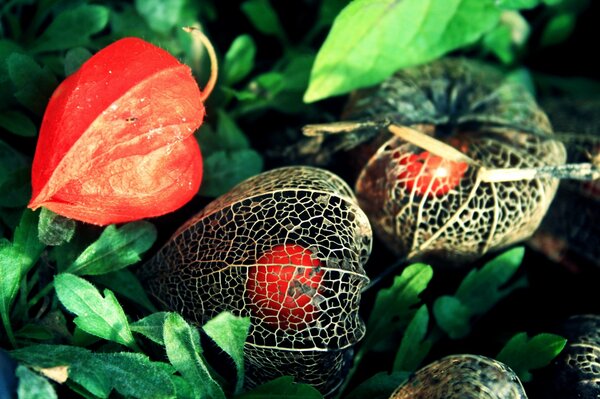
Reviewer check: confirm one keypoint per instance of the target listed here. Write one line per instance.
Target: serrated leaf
(33, 84)
(225, 169)
(115, 249)
(131, 374)
(33, 386)
(160, 15)
(183, 350)
(379, 386)
(481, 289)
(523, 354)
(393, 307)
(263, 17)
(74, 58)
(17, 123)
(55, 229)
(102, 317)
(151, 327)
(72, 28)
(123, 282)
(414, 345)
(282, 388)
(369, 40)
(239, 59)
(452, 316)
(229, 332)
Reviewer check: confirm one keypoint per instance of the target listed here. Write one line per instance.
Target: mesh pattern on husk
(204, 269)
(497, 124)
(462, 377)
(577, 370)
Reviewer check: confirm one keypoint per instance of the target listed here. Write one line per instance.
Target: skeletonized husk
(462, 377)
(203, 269)
(496, 123)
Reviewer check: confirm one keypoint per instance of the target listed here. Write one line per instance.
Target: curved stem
(214, 67)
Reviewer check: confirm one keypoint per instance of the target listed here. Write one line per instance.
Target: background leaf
(17, 123)
(239, 59)
(102, 317)
(123, 282)
(72, 28)
(523, 354)
(229, 332)
(115, 249)
(223, 170)
(74, 58)
(379, 386)
(32, 83)
(414, 345)
(452, 316)
(263, 17)
(33, 386)
(280, 388)
(160, 15)
(370, 40)
(183, 349)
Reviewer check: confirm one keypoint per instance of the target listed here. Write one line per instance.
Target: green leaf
(507, 39)
(102, 317)
(33, 386)
(160, 15)
(54, 229)
(415, 345)
(183, 350)
(518, 4)
(452, 316)
(523, 354)
(35, 332)
(329, 10)
(282, 388)
(72, 28)
(263, 17)
(370, 40)
(33, 84)
(229, 332)
(123, 282)
(131, 374)
(225, 169)
(17, 123)
(26, 241)
(151, 327)
(115, 249)
(379, 386)
(14, 177)
(74, 58)
(394, 306)
(9, 283)
(558, 29)
(239, 59)
(7, 47)
(482, 289)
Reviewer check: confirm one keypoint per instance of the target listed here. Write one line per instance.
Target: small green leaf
(239, 59)
(74, 58)
(379, 386)
(523, 354)
(415, 345)
(369, 40)
(183, 349)
(26, 241)
(72, 28)
(54, 229)
(225, 169)
(394, 306)
(33, 84)
(17, 123)
(131, 374)
(151, 327)
(558, 29)
(282, 388)
(229, 332)
(123, 282)
(482, 289)
(160, 15)
(518, 4)
(33, 386)
(102, 317)
(115, 249)
(452, 316)
(264, 18)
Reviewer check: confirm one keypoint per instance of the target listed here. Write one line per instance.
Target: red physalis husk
(116, 143)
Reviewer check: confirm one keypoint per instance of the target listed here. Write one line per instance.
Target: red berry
(429, 174)
(282, 285)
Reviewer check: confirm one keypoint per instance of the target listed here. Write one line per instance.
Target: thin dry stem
(214, 66)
